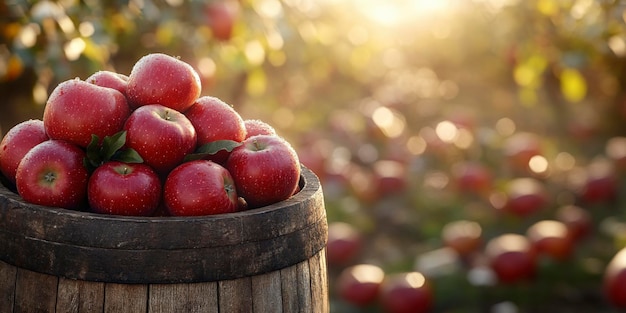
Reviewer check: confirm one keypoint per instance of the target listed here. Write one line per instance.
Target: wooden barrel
(270, 259)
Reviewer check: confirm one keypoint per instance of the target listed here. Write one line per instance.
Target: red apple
(200, 187)
(577, 220)
(614, 282)
(390, 177)
(258, 127)
(162, 79)
(221, 15)
(215, 120)
(124, 189)
(408, 292)
(472, 177)
(361, 181)
(77, 109)
(512, 258)
(17, 142)
(525, 196)
(52, 174)
(615, 150)
(601, 182)
(162, 136)
(265, 168)
(109, 79)
(464, 237)
(344, 243)
(520, 147)
(551, 238)
(359, 285)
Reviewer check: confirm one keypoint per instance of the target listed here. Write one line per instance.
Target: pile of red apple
(147, 144)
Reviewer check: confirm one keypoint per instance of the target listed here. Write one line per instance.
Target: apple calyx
(49, 178)
(211, 148)
(110, 149)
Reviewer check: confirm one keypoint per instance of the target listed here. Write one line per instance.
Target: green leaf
(127, 156)
(212, 148)
(111, 144)
(92, 154)
(110, 149)
(218, 145)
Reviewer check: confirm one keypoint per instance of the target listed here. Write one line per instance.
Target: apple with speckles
(216, 120)
(266, 170)
(158, 78)
(162, 136)
(17, 142)
(200, 187)
(76, 110)
(258, 127)
(130, 189)
(109, 79)
(52, 174)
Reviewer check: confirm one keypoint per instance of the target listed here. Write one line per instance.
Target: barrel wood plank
(202, 298)
(79, 296)
(125, 298)
(267, 293)
(319, 289)
(8, 276)
(35, 292)
(165, 298)
(235, 296)
(289, 283)
(304, 287)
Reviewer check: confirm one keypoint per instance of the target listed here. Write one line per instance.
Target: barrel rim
(309, 183)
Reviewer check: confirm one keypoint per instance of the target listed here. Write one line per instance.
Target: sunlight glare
(538, 164)
(392, 123)
(390, 13)
(447, 131)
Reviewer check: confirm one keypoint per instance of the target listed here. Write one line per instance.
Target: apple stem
(167, 115)
(257, 145)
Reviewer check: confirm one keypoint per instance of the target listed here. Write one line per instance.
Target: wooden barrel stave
(301, 287)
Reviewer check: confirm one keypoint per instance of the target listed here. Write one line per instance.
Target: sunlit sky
(393, 12)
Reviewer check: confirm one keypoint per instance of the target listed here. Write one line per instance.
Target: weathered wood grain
(235, 296)
(8, 276)
(35, 292)
(289, 283)
(267, 293)
(125, 298)
(319, 281)
(79, 296)
(202, 298)
(165, 298)
(304, 287)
